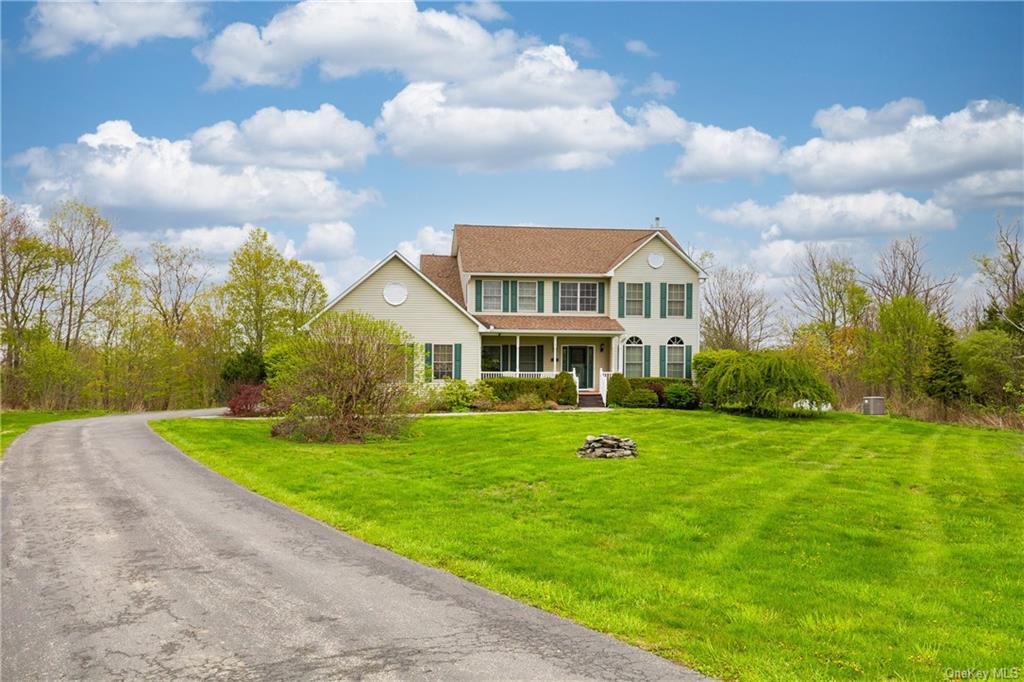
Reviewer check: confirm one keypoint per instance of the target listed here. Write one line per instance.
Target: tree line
(891, 331)
(89, 323)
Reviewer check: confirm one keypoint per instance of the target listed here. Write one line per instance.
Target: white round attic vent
(395, 293)
(655, 260)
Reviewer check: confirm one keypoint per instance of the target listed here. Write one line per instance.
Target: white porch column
(518, 368)
(554, 350)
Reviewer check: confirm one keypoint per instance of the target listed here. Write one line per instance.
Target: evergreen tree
(944, 378)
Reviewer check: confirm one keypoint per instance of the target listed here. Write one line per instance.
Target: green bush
(640, 397)
(618, 389)
(706, 361)
(565, 389)
(682, 396)
(766, 382)
(483, 397)
(656, 384)
(457, 395)
(507, 389)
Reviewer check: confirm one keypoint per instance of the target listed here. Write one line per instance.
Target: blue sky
(768, 125)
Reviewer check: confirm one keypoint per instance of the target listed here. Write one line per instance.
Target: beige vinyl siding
(427, 315)
(655, 331)
(470, 293)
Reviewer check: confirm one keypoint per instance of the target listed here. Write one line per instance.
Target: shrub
(529, 401)
(564, 389)
(656, 384)
(763, 383)
(483, 397)
(244, 368)
(457, 395)
(618, 389)
(425, 398)
(682, 396)
(343, 379)
(247, 401)
(640, 397)
(706, 361)
(507, 389)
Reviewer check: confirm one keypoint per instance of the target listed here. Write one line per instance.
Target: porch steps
(591, 400)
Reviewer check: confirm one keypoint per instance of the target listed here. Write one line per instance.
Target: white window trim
(681, 363)
(626, 346)
(483, 295)
(668, 300)
(625, 293)
(579, 297)
(519, 295)
(434, 363)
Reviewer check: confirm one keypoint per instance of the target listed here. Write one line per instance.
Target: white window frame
(633, 343)
(640, 302)
(484, 295)
(437, 364)
(577, 299)
(680, 300)
(520, 287)
(533, 362)
(675, 344)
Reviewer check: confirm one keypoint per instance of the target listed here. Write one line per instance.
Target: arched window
(675, 358)
(633, 357)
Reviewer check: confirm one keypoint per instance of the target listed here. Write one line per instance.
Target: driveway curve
(123, 558)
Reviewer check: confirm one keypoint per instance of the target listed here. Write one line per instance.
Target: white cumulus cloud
(321, 139)
(842, 123)
(428, 240)
(482, 10)
(713, 153)
(656, 85)
(639, 47)
(59, 28)
(1004, 188)
(806, 216)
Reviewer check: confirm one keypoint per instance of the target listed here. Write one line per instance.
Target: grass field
(836, 547)
(13, 423)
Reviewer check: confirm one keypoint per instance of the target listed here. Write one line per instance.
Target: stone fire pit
(607, 447)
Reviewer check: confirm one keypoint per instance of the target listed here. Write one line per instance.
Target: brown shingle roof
(444, 272)
(579, 323)
(575, 250)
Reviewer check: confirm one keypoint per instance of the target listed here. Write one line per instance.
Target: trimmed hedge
(618, 389)
(565, 390)
(508, 389)
(684, 396)
(641, 397)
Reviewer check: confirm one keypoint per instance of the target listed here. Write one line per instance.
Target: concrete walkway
(124, 559)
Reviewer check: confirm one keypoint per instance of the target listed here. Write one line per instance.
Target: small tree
(342, 380)
(944, 378)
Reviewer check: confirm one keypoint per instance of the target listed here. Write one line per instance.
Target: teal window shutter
(689, 302)
(664, 301)
(514, 296)
(458, 361)
(554, 296)
(504, 295)
(540, 358)
(479, 295)
(647, 361)
(540, 297)
(647, 299)
(504, 358)
(513, 359)
(428, 363)
(661, 361)
(689, 350)
(600, 298)
(622, 299)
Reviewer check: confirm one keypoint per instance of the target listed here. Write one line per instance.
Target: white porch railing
(529, 375)
(602, 384)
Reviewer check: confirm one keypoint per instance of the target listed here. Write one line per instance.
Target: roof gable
(547, 250)
(444, 272)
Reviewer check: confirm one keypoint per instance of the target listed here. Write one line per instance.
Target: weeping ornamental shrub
(765, 383)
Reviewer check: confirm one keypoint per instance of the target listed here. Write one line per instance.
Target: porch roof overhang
(550, 324)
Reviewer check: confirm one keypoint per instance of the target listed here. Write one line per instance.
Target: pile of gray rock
(607, 447)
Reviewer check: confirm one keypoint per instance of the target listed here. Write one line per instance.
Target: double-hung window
(675, 357)
(528, 358)
(527, 302)
(633, 357)
(579, 297)
(676, 303)
(491, 295)
(490, 359)
(444, 361)
(634, 298)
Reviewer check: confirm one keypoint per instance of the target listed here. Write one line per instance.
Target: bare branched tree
(1003, 273)
(89, 241)
(737, 313)
(171, 283)
(825, 289)
(901, 272)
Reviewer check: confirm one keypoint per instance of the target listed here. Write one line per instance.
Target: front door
(580, 358)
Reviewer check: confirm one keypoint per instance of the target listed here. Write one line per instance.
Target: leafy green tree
(943, 378)
(991, 358)
(303, 294)
(897, 350)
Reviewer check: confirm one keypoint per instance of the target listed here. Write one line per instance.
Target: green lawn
(13, 423)
(836, 547)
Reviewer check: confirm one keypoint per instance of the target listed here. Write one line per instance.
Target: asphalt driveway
(123, 558)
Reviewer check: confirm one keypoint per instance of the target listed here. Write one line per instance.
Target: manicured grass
(836, 547)
(13, 423)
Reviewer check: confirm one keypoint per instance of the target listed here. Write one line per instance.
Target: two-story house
(533, 301)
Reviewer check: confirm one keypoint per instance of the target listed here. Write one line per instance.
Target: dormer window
(491, 295)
